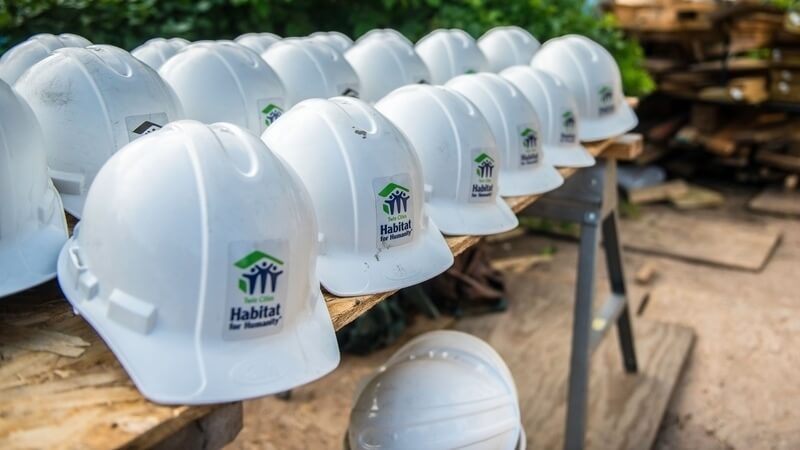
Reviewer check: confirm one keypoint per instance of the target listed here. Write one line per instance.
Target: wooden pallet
(62, 388)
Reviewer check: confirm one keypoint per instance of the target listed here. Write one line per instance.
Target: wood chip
(34, 339)
(646, 273)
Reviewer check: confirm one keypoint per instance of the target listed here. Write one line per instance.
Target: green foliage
(129, 23)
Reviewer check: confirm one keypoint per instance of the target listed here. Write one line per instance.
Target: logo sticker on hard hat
(257, 284)
(606, 100)
(529, 139)
(567, 127)
(394, 205)
(143, 124)
(270, 112)
(483, 176)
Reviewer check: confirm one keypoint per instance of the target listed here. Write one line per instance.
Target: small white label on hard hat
(142, 124)
(484, 176)
(257, 288)
(605, 100)
(269, 111)
(394, 206)
(568, 125)
(529, 145)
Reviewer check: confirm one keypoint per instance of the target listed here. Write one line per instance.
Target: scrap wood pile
(728, 84)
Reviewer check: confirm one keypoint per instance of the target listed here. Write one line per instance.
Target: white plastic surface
(459, 155)
(385, 33)
(258, 42)
(366, 185)
(557, 113)
(22, 56)
(449, 53)
(517, 131)
(157, 51)
(339, 41)
(383, 65)
(212, 295)
(507, 46)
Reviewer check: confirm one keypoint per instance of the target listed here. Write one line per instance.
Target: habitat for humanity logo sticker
(142, 124)
(530, 146)
(568, 127)
(271, 113)
(483, 176)
(257, 289)
(606, 96)
(395, 209)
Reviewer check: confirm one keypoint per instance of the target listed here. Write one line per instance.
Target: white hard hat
(339, 41)
(32, 223)
(557, 113)
(366, 184)
(507, 46)
(591, 73)
(459, 158)
(311, 70)
(22, 56)
(223, 81)
(383, 65)
(258, 42)
(449, 53)
(90, 102)
(157, 51)
(516, 130)
(438, 395)
(385, 33)
(212, 296)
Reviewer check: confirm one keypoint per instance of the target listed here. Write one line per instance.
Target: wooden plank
(776, 201)
(697, 197)
(658, 193)
(625, 148)
(624, 411)
(781, 161)
(727, 243)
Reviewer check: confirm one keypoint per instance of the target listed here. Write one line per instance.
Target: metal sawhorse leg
(590, 199)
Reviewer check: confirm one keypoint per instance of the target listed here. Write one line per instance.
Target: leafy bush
(127, 23)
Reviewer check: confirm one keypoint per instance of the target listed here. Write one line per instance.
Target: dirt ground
(739, 388)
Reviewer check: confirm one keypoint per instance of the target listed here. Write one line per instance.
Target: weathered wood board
(776, 201)
(720, 242)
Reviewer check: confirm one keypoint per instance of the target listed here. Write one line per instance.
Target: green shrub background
(129, 23)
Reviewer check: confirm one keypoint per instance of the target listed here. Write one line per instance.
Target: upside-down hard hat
(366, 185)
(337, 40)
(385, 33)
(157, 51)
(449, 53)
(460, 159)
(516, 130)
(223, 81)
(383, 65)
(311, 70)
(194, 262)
(90, 102)
(507, 46)
(591, 74)
(258, 42)
(32, 224)
(442, 391)
(22, 56)
(557, 113)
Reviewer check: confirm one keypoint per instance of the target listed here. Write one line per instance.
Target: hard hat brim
(389, 269)
(472, 218)
(541, 179)
(595, 129)
(170, 368)
(30, 260)
(572, 155)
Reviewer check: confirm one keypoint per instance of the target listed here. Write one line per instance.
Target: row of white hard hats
(442, 390)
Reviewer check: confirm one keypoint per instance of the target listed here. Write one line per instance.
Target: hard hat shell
(557, 113)
(223, 81)
(211, 239)
(591, 73)
(459, 155)
(358, 167)
(258, 42)
(449, 53)
(433, 397)
(383, 65)
(516, 130)
(32, 224)
(22, 56)
(337, 40)
(385, 33)
(311, 70)
(157, 51)
(90, 102)
(507, 46)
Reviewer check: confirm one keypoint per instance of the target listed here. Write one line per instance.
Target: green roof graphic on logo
(249, 260)
(470, 71)
(388, 190)
(526, 131)
(271, 107)
(483, 157)
(604, 90)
